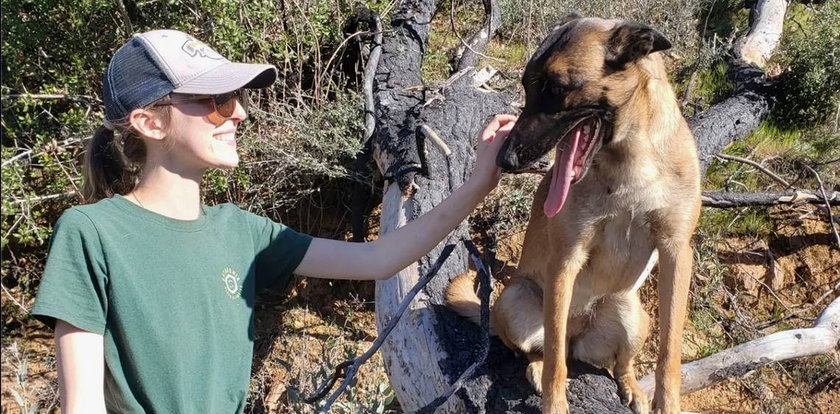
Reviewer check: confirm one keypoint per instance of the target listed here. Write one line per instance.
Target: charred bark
(737, 116)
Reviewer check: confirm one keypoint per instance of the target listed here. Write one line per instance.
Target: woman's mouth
(227, 138)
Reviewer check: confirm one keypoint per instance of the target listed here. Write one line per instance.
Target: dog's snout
(507, 159)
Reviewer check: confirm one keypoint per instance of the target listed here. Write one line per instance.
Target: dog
(624, 192)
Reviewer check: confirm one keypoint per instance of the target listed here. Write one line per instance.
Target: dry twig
(28, 153)
(798, 315)
(44, 197)
(47, 97)
(349, 368)
(760, 167)
(12, 298)
(827, 204)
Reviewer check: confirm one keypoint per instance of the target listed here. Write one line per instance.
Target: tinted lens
(226, 104)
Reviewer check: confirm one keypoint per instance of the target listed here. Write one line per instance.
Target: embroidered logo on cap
(195, 48)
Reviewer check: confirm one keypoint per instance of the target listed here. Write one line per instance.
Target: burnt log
(737, 116)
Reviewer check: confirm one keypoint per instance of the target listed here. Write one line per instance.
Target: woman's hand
(489, 142)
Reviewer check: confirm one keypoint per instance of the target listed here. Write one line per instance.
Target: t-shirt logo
(232, 283)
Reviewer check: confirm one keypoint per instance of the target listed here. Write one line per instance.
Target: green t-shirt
(173, 299)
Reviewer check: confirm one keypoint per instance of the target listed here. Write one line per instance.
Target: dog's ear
(561, 22)
(631, 41)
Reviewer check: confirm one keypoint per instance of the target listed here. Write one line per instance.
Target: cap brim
(230, 77)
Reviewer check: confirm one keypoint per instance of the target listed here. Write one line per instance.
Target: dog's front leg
(675, 263)
(559, 285)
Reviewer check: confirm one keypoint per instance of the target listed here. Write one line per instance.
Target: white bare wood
(411, 352)
(822, 338)
(765, 32)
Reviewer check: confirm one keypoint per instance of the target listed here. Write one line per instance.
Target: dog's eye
(556, 90)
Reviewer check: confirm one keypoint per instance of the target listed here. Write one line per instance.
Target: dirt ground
(744, 288)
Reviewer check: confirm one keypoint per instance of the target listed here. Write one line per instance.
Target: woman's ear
(147, 124)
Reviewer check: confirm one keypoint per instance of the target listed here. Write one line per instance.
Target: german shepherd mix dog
(624, 186)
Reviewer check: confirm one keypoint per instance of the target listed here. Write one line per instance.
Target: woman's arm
(81, 366)
(394, 251)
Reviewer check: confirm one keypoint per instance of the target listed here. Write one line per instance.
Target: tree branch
(758, 166)
(370, 71)
(47, 97)
(737, 116)
(467, 54)
(718, 199)
(827, 205)
(361, 166)
(822, 338)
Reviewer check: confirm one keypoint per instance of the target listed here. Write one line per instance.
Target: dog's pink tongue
(561, 177)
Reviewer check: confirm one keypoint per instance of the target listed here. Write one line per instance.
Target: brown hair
(113, 158)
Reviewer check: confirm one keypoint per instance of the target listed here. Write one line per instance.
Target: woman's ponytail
(103, 166)
(112, 163)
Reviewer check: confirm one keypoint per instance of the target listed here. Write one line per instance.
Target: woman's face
(198, 143)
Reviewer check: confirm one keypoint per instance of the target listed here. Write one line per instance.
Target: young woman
(151, 293)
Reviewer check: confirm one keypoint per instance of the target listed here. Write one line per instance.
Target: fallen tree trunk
(736, 117)
(822, 338)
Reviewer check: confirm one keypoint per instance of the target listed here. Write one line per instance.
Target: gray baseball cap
(154, 64)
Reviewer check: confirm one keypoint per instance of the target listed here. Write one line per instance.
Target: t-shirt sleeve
(74, 285)
(280, 250)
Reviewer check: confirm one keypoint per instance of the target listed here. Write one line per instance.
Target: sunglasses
(224, 105)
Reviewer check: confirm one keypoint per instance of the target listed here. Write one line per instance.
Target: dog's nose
(507, 159)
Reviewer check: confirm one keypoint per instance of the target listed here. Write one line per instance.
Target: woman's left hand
(489, 143)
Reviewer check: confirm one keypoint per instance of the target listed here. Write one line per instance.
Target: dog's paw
(667, 405)
(534, 375)
(632, 396)
(558, 406)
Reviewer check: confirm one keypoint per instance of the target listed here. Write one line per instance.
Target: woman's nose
(240, 113)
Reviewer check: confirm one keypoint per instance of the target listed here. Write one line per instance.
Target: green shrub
(530, 21)
(810, 53)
